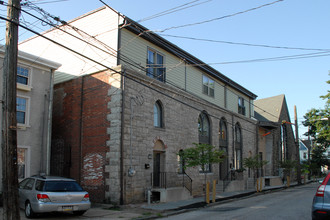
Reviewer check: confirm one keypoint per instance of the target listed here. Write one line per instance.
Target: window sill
(160, 128)
(207, 172)
(22, 127)
(23, 87)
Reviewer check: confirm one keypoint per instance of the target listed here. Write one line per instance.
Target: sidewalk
(200, 201)
(156, 210)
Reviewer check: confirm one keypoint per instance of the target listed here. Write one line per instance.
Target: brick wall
(80, 122)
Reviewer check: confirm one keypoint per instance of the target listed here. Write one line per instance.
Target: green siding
(178, 73)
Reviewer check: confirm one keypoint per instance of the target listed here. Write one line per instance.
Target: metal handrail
(188, 185)
(171, 179)
(231, 175)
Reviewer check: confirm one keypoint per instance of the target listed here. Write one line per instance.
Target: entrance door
(156, 176)
(224, 165)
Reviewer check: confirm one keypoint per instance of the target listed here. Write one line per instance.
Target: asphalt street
(291, 203)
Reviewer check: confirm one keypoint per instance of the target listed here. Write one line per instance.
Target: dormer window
(241, 107)
(208, 86)
(155, 65)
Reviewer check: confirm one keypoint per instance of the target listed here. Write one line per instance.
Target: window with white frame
(208, 86)
(22, 110)
(241, 107)
(23, 75)
(155, 65)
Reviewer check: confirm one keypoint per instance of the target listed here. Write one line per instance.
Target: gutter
(49, 122)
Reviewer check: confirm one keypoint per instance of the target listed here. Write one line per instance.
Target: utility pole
(297, 147)
(9, 124)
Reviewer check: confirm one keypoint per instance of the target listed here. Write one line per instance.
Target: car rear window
(58, 186)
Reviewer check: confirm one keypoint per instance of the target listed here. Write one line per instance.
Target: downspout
(233, 139)
(122, 139)
(81, 127)
(122, 123)
(257, 144)
(42, 143)
(49, 122)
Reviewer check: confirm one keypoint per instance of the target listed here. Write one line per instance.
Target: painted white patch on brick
(93, 169)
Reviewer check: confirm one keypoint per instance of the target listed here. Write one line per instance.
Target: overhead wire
(172, 10)
(244, 44)
(110, 68)
(135, 64)
(168, 81)
(218, 18)
(119, 72)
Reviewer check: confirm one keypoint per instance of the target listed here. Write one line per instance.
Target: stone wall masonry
(181, 111)
(114, 156)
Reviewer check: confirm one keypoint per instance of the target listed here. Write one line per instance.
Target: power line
(219, 18)
(124, 75)
(44, 1)
(172, 10)
(123, 60)
(244, 44)
(126, 61)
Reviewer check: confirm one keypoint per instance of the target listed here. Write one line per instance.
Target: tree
(288, 166)
(319, 159)
(254, 163)
(318, 123)
(201, 155)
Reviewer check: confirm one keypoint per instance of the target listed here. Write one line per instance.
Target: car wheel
(28, 210)
(79, 212)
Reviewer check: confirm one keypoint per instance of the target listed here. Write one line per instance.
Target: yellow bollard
(257, 185)
(207, 192)
(214, 191)
(288, 181)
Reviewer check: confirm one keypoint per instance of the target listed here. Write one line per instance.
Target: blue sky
(296, 24)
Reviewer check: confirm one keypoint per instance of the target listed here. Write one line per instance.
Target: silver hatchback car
(42, 194)
(321, 201)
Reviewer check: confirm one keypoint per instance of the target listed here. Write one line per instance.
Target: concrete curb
(198, 205)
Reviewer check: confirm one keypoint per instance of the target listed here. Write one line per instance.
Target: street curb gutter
(218, 201)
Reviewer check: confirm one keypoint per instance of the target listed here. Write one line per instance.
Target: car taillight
(320, 191)
(43, 198)
(86, 197)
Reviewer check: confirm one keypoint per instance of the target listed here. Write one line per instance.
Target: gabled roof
(269, 109)
(302, 145)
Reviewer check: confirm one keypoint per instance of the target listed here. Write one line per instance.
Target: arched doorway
(158, 163)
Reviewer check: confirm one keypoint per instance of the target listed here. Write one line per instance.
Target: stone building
(124, 109)
(276, 140)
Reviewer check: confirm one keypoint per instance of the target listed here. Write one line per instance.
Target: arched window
(238, 146)
(204, 128)
(223, 138)
(204, 131)
(158, 114)
(223, 145)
